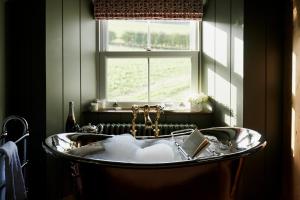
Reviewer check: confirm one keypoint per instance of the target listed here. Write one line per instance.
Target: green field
(122, 26)
(128, 81)
(132, 35)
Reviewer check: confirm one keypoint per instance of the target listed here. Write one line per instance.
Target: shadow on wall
(222, 113)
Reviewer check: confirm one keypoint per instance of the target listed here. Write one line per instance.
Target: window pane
(172, 35)
(126, 79)
(170, 79)
(124, 35)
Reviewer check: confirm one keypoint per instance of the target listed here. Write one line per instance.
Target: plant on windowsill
(199, 103)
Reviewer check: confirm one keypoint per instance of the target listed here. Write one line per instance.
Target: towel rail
(24, 135)
(4, 137)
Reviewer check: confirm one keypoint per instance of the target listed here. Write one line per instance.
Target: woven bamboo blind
(148, 9)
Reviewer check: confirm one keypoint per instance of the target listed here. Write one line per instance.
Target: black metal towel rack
(25, 134)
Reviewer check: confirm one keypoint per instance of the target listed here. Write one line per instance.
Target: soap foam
(121, 147)
(125, 148)
(155, 153)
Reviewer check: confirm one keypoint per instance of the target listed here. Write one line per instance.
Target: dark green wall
(25, 78)
(70, 72)
(2, 61)
(71, 59)
(263, 70)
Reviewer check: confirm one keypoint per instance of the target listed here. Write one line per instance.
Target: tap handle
(135, 110)
(147, 119)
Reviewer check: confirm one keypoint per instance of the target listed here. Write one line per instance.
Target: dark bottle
(71, 122)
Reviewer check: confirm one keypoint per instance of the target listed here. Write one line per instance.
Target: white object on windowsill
(94, 107)
(195, 107)
(101, 104)
(204, 107)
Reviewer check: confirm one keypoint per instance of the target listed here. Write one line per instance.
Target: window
(148, 61)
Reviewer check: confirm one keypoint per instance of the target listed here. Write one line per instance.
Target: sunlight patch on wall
(215, 43)
(293, 132)
(233, 105)
(294, 73)
(222, 96)
(221, 47)
(238, 57)
(227, 119)
(295, 13)
(222, 91)
(210, 82)
(209, 39)
(294, 85)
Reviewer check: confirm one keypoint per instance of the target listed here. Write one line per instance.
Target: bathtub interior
(124, 150)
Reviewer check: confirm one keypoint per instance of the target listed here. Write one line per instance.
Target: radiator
(165, 129)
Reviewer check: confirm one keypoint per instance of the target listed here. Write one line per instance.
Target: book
(195, 142)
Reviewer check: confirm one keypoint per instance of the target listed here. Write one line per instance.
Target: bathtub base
(210, 181)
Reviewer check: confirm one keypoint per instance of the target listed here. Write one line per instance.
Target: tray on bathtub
(124, 150)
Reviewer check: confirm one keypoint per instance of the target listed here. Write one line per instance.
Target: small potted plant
(198, 102)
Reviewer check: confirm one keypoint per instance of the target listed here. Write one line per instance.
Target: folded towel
(15, 187)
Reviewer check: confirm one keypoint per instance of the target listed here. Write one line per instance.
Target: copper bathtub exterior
(214, 177)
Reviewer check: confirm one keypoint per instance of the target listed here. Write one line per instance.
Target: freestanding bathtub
(214, 175)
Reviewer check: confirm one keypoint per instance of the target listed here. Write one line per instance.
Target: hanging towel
(2, 177)
(15, 187)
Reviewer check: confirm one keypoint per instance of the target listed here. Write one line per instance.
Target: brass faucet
(158, 110)
(148, 122)
(135, 111)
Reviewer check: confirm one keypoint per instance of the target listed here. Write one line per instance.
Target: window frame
(103, 55)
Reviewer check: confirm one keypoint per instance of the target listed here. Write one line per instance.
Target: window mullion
(148, 79)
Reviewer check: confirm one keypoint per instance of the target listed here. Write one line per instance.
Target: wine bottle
(71, 122)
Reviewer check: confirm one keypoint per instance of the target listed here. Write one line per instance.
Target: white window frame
(103, 55)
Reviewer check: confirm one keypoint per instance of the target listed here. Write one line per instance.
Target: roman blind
(148, 9)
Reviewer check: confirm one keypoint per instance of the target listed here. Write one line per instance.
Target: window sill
(201, 119)
(165, 111)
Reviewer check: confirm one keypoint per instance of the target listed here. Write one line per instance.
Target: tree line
(158, 40)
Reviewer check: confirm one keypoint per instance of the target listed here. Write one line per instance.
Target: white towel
(2, 178)
(15, 187)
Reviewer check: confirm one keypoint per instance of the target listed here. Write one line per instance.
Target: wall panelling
(2, 61)
(71, 59)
